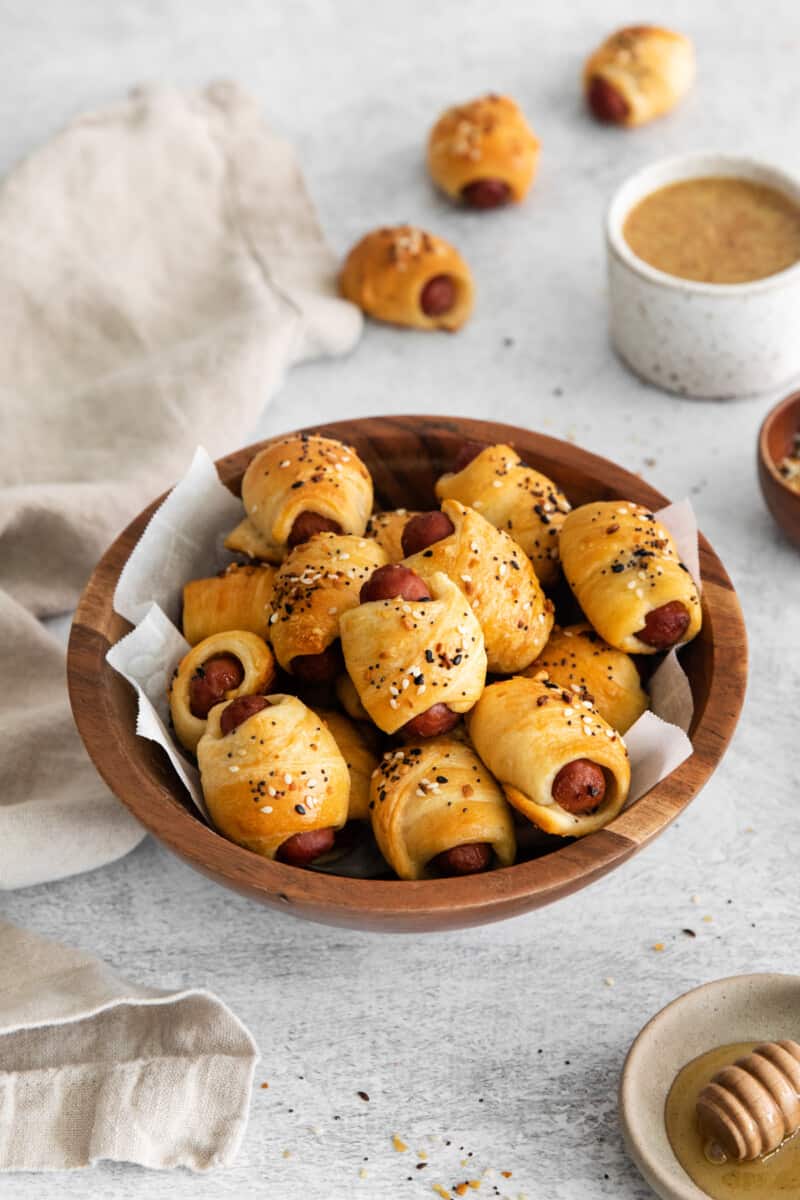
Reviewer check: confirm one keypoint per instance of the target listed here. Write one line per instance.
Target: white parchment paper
(184, 541)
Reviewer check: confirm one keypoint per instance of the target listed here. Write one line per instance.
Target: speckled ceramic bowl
(701, 339)
(744, 1008)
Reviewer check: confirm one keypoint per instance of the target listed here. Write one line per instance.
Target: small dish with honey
(672, 1061)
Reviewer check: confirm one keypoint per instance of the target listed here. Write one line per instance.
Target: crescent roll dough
(405, 656)
(432, 796)
(317, 582)
(486, 139)
(240, 597)
(349, 698)
(245, 539)
(622, 564)
(513, 497)
(358, 752)
(577, 658)
(304, 473)
(526, 730)
(386, 273)
(277, 774)
(499, 582)
(387, 529)
(258, 665)
(649, 68)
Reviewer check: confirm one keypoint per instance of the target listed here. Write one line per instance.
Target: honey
(774, 1177)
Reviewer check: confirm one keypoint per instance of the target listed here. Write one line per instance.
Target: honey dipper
(750, 1108)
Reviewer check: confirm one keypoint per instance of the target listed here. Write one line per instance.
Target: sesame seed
(233, 770)
(265, 809)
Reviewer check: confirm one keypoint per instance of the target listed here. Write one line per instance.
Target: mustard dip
(716, 230)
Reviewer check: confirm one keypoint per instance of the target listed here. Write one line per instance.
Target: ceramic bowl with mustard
(704, 275)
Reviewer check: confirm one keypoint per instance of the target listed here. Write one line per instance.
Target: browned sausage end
(306, 524)
(436, 720)
(579, 787)
(302, 849)
(423, 530)
(486, 193)
(467, 859)
(606, 103)
(211, 681)
(394, 582)
(664, 626)
(438, 296)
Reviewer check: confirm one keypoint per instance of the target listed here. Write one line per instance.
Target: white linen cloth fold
(161, 267)
(93, 1067)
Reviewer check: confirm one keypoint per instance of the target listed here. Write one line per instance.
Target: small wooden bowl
(406, 455)
(775, 441)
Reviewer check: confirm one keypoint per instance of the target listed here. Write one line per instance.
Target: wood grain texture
(775, 440)
(405, 455)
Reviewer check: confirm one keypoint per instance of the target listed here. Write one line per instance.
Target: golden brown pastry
(349, 698)
(240, 597)
(494, 574)
(624, 568)
(244, 538)
(273, 778)
(513, 497)
(638, 73)
(225, 665)
(751, 1107)
(408, 277)
(436, 810)
(484, 152)
(317, 582)
(300, 486)
(578, 659)
(415, 653)
(387, 529)
(561, 765)
(358, 751)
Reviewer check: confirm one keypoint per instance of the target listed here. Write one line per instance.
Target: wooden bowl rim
(790, 401)
(536, 881)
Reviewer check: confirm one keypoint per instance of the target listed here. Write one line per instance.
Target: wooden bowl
(775, 441)
(405, 456)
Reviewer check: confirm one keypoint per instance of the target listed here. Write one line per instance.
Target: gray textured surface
(444, 1032)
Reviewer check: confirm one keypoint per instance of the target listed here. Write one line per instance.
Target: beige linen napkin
(161, 266)
(93, 1067)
